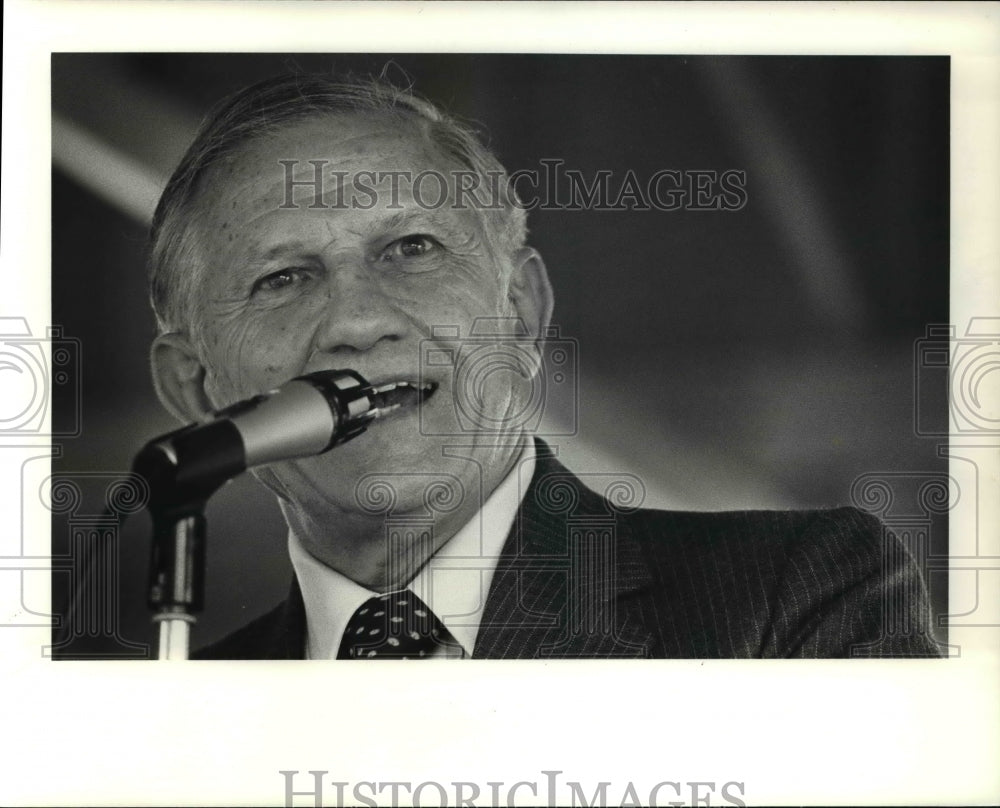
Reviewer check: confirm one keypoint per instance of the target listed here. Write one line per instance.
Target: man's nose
(359, 314)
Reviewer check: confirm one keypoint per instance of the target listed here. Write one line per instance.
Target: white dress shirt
(454, 582)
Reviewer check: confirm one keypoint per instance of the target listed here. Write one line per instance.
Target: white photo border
(848, 732)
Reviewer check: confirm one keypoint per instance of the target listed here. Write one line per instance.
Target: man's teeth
(421, 386)
(393, 395)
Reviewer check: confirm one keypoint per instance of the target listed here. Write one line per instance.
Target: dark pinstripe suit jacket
(580, 577)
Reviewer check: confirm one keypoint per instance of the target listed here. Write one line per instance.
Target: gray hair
(264, 108)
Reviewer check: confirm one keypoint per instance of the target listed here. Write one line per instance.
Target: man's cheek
(252, 358)
(221, 389)
(458, 296)
(227, 380)
(251, 375)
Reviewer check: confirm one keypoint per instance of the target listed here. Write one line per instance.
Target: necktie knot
(398, 625)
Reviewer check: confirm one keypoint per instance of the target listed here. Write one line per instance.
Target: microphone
(306, 416)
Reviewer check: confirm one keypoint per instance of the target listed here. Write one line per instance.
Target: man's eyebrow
(420, 216)
(255, 260)
(282, 248)
(414, 220)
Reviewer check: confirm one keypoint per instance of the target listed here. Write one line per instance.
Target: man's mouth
(393, 396)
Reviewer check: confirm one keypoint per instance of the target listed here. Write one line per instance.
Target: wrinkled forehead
(329, 179)
(303, 161)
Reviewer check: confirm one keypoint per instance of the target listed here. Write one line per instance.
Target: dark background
(758, 358)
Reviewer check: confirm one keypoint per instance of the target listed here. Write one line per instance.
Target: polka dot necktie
(394, 626)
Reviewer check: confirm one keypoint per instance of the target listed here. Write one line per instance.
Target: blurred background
(757, 358)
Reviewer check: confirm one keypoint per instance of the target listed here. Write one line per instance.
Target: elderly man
(316, 226)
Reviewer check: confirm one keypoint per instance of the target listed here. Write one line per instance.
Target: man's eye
(282, 279)
(413, 246)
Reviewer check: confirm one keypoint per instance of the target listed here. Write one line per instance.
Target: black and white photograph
(704, 304)
(628, 369)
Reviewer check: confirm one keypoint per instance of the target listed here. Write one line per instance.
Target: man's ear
(530, 291)
(179, 378)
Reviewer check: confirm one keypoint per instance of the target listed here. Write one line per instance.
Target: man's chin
(404, 463)
(387, 469)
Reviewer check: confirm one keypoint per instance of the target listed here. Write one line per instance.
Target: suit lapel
(565, 585)
(286, 637)
(565, 577)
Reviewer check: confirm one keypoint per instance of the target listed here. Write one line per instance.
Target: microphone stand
(307, 416)
(177, 506)
(177, 576)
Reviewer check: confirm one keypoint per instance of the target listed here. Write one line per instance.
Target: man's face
(359, 286)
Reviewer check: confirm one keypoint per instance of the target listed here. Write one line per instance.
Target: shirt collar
(454, 582)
